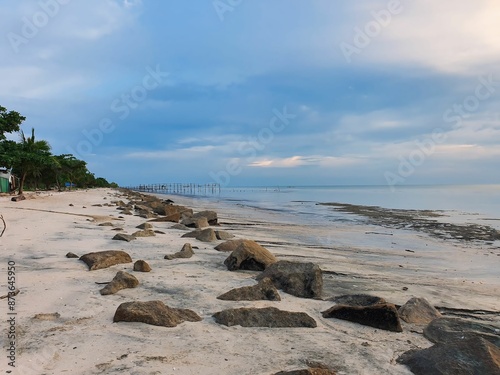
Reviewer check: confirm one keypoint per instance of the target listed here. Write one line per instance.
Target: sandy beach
(82, 338)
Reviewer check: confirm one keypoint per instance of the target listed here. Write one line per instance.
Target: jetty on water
(179, 188)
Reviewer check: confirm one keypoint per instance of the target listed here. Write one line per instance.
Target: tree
(9, 122)
(72, 170)
(31, 157)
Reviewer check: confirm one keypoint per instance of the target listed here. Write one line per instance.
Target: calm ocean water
(299, 203)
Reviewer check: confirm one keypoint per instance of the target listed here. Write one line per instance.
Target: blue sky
(260, 92)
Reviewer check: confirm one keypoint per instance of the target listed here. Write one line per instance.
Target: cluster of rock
(464, 347)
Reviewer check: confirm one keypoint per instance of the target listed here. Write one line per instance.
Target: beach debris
(249, 256)
(232, 245)
(381, 315)
(145, 226)
(204, 235)
(470, 355)
(142, 266)
(418, 311)
(18, 198)
(269, 317)
(186, 252)
(298, 279)
(443, 330)
(123, 237)
(4, 225)
(105, 259)
(264, 290)
(122, 280)
(47, 316)
(71, 255)
(154, 313)
(223, 235)
(144, 233)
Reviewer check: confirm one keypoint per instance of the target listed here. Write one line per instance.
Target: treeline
(33, 163)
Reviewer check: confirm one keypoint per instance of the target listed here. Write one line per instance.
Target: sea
(299, 204)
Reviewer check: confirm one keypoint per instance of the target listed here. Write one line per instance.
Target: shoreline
(353, 261)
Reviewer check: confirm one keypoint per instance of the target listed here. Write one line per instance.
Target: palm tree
(32, 157)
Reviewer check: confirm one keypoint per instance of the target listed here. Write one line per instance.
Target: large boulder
(122, 280)
(223, 235)
(467, 356)
(145, 226)
(357, 300)
(186, 252)
(195, 222)
(105, 259)
(211, 216)
(232, 245)
(443, 330)
(264, 290)
(418, 311)
(206, 235)
(144, 233)
(269, 317)
(154, 313)
(298, 279)
(382, 316)
(249, 256)
(142, 266)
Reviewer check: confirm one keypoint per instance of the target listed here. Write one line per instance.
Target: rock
(223, 235)
(211, 216)
(159, 232)
(179, 226)
(186, 252)
(154, 313)
(147, 214)
(269, 317)
(232, 245)
(127, 212)
(18, 198)
(106, 224)
(192, 234)
(47, 316)
(72, 255)
(206, 235)
(118, 229)
(122, 280)
(418, 311)
(468, 356)
(358, 300)
(123, 237)
(145, 226)
(443, 330)
(97, 205)
(144, 233)
(382, 315)
(140, 207)
(173, 218)
(142, 266)
(195, 222)
(298, 279)
(309, 371)
(264, 290)
(71, 205)
(105, 259)
(249, 256)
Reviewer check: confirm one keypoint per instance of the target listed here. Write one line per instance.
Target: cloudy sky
(260, 92)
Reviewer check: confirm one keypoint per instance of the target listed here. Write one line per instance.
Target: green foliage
(9, 122)
(34, 164)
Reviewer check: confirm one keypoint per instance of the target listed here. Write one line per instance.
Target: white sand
(84, 340)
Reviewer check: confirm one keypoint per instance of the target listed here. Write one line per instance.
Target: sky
(260, 92)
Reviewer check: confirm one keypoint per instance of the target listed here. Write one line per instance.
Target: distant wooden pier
(179, 188)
